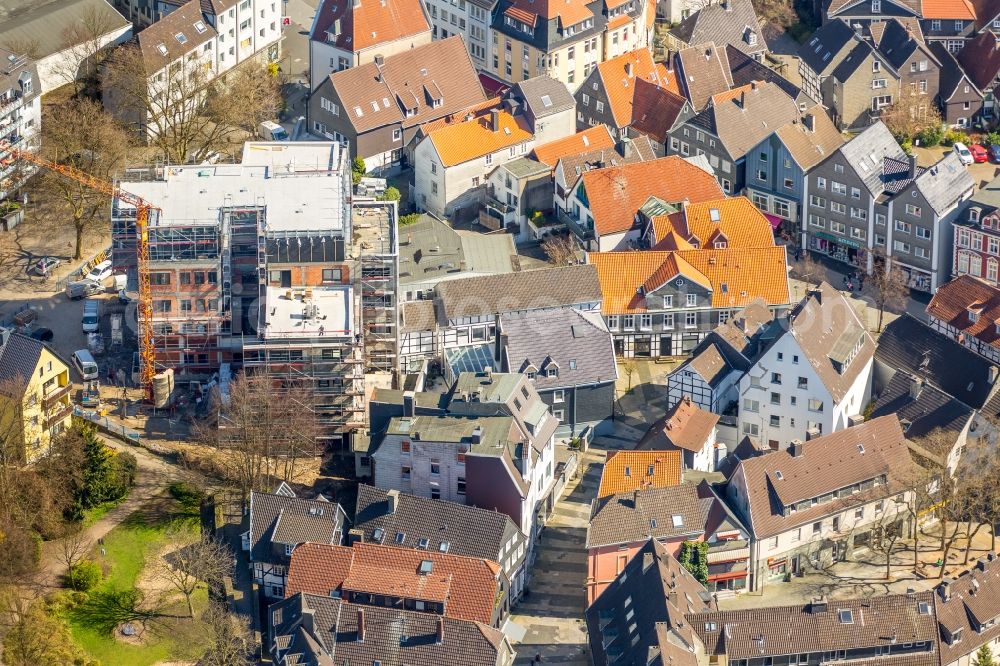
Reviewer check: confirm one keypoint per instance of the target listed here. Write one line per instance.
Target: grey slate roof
(468, 530)
(638, 149)
(429, 249)
(392, 636)
(19, 358)
(951, 73)
(729, 22)
(854, 59)
(291, 521)
(544, 95)
(930, 410)
(528, 290)
(818, 52)
(944, 183)
(15, 70)
(745, 69)
(578, 343)
(640, 514)
(866, 152)
(897, 44)
(912, 346)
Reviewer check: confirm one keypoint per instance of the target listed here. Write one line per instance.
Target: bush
(930, 136)
(84, 576)
(408, 219)
(391, 194)
(907, 146)
(951, 136)
(358, 169)
(187, 495)
(991, 138)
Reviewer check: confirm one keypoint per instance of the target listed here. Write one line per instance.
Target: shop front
(916, 278)
(842, 249)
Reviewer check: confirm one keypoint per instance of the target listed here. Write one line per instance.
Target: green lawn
(91, 516)
(125, 551)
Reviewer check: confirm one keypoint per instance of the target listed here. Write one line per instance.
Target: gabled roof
(619, 77)
(45, 24)
(640, 514)
(945, 183)
(922, 410)
(980, 58)
(19, 359)
(744, 70)
(740, 223)
(948, 9)
(544, 95)
(856, 58)
(567, 12)
(855, 455)
(829, 40)
(971, 601)
(616, 193)
(951, 73)
(685, 426)
(953, 301)
(703, 71)
(410, 80)
(808, 147)
(866, 154)
(728, 272)
(361, 25)
(730, 22)
(430, 249)
(417, 316)
(742, 118)
(897, 43)
(629, 151)
(290, 520)
(986, 11)
(467, 140)
(625, 471)
(180, 32)
(593, 138)
(655, 110)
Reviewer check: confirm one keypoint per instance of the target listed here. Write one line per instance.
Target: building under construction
(271, 265)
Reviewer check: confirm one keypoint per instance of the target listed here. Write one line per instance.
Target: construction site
(269, 266)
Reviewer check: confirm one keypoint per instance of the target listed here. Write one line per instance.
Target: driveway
(551, 617)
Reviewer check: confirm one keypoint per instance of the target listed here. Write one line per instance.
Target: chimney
(809, 121)
(647, 561)
(439, 639)
(4, 336)
(916, 386)
(495, 120)
(743, 99)
(858, 30)
(379, 60)
(488, 371)
(993, 371)
(361, 625)
(912, 168)
(818, 605)
(409, 400)
(629, 69)
(336, 27)
(795, 448)
(393, 497)
(498, 342)
(477, 435)
(944, 589)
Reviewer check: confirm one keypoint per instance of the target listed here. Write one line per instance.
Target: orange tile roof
(740, 224)
(685, 426)
(460, 116)
(734, 93)
(619, 85)
(737, 275)
(467, 586)
(668, 79)
(469, 139)
(367, 24)
(619, 21)
(666, 471)
(597, 137)
(616, 193)
(569, 12)
(523, 16)
(948, 9)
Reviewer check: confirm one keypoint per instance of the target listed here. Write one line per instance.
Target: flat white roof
(308, 312)
(300, 191)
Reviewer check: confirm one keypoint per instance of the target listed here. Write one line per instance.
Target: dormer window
(876, 6)
(974, 213)
(974, 311)
(552, 371)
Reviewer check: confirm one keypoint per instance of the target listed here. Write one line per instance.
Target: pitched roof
(945, 183)
(733, 285)
(809, 147)
(742, 118)
(731, 22)
(417, 316)
(616, 193)
(745, 69)
(685, 426)
(954, 301)
(866, 154)
(736, 221)
(922, 410)
(703, 71)
(619, 77)
(429, 248)
(948, 9)
(973, 600)
(980, 58)
(408, 637)
(466, 586)
(368, 23)
(841, 459)
(655, 110)
(290, 521)
(544, 95)
(45, 24)
(577, 343)
(951, 73)
(526, 290)
(910, 345)
(467, 140)
(829, 39)
(662, 513)
(19, 358)
(412, 80)
(648, 601)
(986, 11)
(466, 530)
(568, 12)
(897, 43)
(876, 621)
(638, 149)
(180, 32)
(625, 471)
(593, 138)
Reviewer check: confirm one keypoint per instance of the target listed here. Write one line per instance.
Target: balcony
(496, 215)
(58, 414)
(11, 101)
(55, 394)
(580, 231)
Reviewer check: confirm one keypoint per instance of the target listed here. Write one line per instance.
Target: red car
(979, 153)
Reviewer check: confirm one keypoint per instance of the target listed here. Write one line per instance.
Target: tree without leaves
(560, 249)
(910, 114)
(190, 563)
(885, 533)
(812, 272)
(84, 48)
(107, 610)
(80, 134)
(230, 641)
(886, 285)
(72, 549)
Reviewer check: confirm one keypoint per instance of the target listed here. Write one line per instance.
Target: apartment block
(20, 117)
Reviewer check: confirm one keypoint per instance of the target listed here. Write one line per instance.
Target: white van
(272, 131)
(85, 364)
(91, 316)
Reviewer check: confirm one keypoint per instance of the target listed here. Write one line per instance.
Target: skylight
(444, 546)
(546, 101)
(424, 543)
(180, 37)
(652, 523)
(861, 448)
(162, 49)
(628, 471)
(678, 520)
(400, 537)
(200, 27)
(426, 566)
(779, 475)
(846, 616)
(378, 534)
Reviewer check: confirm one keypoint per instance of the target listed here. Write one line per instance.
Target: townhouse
(376, 108)
(348, 34)
(630, 94)
(20, 118)
(664, 303)
(871, 196)
(625, 471)
(35, 390)
(913, 59)
(960, 101)
(569, 166)
(968, 310)
(817, 502)
(966, 612)
(976, 240)
(608, 208)
(565, 40)
(518, 199)
(950, 22)
(980, 60)
(443, 527)
(730, 22)
(275, 523)
(733, 123)
(813, 379)
(690, 430)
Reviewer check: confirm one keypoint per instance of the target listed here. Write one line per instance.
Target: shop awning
(774, 220)
(729, 555)
(836, 239)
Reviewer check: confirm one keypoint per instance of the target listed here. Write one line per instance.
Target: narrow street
(551, 617)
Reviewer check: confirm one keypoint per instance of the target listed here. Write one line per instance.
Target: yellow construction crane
(147, 350)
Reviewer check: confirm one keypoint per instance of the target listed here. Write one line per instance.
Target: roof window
(180, 37)
(444, 546)
(162, 48)
(426, 566)
(199, 26)
(652, 523)
(400, 537)
(424, 543)
(846, 616)
(678, 520)
(378, 534)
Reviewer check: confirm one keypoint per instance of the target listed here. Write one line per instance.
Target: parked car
(995, 153)
(43, 334)
(963, 153)
(979, 153)
(77, 290)
(85, 364)
(45, 265)
(100, 272)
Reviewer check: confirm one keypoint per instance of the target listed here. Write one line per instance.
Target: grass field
(124, 555)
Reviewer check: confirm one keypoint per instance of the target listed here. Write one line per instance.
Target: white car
(100, 272)
(964, 154)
